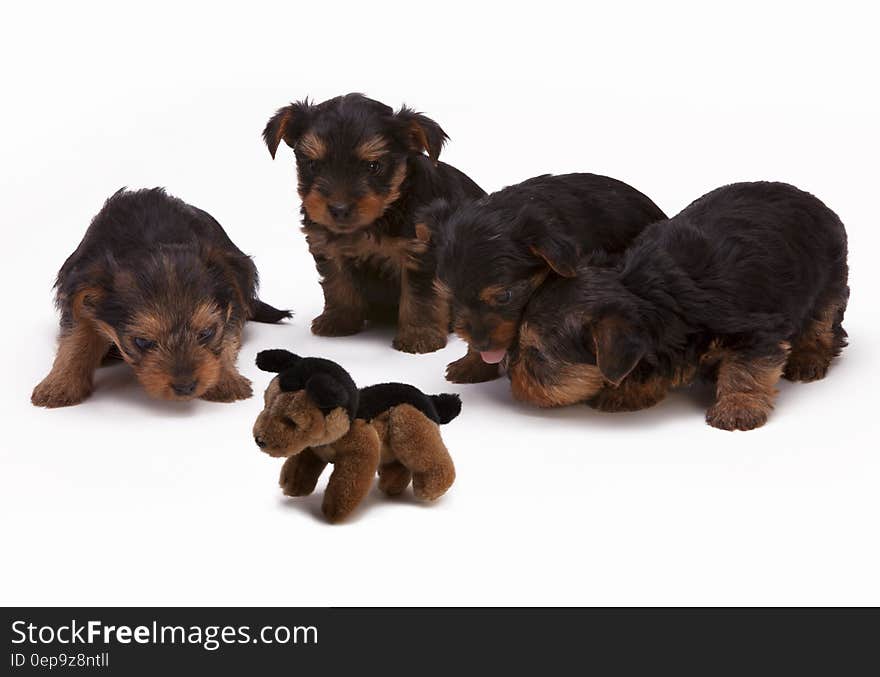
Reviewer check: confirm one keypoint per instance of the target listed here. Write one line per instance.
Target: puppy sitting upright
(159, 283)
(494, 253)
(363, 173)
(747, 284)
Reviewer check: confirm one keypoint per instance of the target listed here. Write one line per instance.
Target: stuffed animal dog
(314, 415)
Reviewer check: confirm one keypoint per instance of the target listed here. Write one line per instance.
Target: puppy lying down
(159, 284)
(746, 285)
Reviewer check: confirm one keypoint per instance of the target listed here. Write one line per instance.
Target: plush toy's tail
(447, 406)
(263, 312)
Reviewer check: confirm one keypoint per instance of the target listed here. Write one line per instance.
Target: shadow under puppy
(362, 174)
(314, 415)
(747, 284)
(495, 252)
(158, 283)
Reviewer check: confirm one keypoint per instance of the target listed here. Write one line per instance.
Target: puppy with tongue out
(494, 253)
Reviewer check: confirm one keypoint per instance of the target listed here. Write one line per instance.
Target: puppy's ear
(288, 124)
(546, 241)
(619, 346)
(425, 135)
(276, 360)
(327, 393)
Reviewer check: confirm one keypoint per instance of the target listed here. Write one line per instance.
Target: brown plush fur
(402, 444)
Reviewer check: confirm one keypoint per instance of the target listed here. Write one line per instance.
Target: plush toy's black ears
(288, 124)
(327, 393)
(276, 360)
(619, 347)
(425, 135)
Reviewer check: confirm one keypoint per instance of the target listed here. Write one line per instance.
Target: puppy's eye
(144, 343)
(289, 422)
(503, 297)
(205, 334)
(375, 166)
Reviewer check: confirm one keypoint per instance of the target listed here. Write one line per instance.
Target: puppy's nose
(261, 443)
(185, 388)
(340, 210)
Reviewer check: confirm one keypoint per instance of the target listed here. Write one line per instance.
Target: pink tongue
(493, 356)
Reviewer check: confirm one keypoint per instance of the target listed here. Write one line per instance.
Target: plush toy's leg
(355, 465)
(394, 478)
(300, 473)
(415, 441)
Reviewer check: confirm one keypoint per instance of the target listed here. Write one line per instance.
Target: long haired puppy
(496, 252)
(158, 283)
(363, 172)
(746, 285)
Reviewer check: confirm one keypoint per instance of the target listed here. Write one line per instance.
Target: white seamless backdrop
(123, 500)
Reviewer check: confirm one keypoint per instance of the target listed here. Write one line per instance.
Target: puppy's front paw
(229, 389)
(736, 412)
(56, 391)
(471, 369)
(418, 340)
(335, 323)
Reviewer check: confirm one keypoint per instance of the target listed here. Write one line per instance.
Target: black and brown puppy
(747, 284)
(314, 414)
(495, 252)
(157, 282)
(362, 174)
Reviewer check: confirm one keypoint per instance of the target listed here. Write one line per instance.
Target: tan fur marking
(312, 146)
(745, 390)
(421, 327)
(372, 149)
(572, 383)
(813, 351)
(472, 369)
(80, 351)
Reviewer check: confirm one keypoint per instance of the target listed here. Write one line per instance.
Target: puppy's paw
(335, 323)
(737, 412)
(229, 389)
(54, 391)
(418, 340)
(471, 369)
(806, 367)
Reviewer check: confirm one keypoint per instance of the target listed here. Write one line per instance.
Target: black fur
(331, 386)
(510, 238)
(751, 265)
(341, 178)
(142, 235)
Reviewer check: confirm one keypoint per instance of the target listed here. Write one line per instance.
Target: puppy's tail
(448, 406)
(263, 312)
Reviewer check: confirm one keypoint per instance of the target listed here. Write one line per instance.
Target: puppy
(747, 284)
(362, 174)
(496, 252)
(158, 283)
(314, 415)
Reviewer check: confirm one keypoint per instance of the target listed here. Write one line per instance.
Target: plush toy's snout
(293, 421)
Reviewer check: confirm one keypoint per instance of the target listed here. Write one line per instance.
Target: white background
(123, 500)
